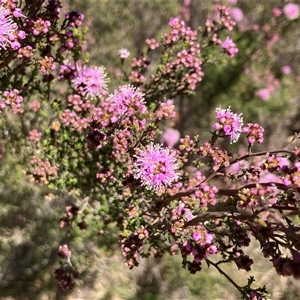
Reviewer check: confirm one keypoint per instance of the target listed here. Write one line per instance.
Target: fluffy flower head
(91, 81)
(8, 28)
(127, 99)
(156, 167)
(230, 123)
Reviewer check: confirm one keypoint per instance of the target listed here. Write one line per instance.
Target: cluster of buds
(42, 170)
(254, 132)
(220, 157)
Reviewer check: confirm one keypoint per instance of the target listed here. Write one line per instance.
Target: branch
(261, 154)
(209, 262)
(229, 192)
(215, 215)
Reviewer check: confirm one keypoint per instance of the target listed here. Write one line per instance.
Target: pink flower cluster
(76, 103)
(35, 135)
(152, 43)
(230, 48)
(221, 19)
(69, 117)
(286, 70)
(288, 266)
(197, 249)
(271, 84)
(13, 100)
(206, 194)
(139, 65)
(113, 121)
(46, 64)
(40, 26)
(187, 58)
(132, 244)
(254, 132)
(42, 169)
(220, 157)
(26, 52)
(264, 94)
(178, 29)
(292, 175)
(166, 110)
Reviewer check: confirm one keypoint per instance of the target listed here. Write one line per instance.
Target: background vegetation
(29, 214)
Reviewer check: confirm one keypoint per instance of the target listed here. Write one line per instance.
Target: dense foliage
(123, 155)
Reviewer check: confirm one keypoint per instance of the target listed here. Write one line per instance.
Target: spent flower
(229, 123)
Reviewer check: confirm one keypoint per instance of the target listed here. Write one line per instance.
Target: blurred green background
(29, 214)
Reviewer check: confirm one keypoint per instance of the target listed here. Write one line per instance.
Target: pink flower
(156, 167)
(123, 53)
(197, 236)
(291, 11)
(229, 123)
(237, 167)
(170, 137)
(229, 46)
(90, 81)
(212, 249)
(237, 14)
(286, 70)
(263, 94)
(277, 12)
(8, 28)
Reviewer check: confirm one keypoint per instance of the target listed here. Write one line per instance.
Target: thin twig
(223, 273)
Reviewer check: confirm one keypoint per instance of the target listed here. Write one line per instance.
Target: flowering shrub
(165, 193)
